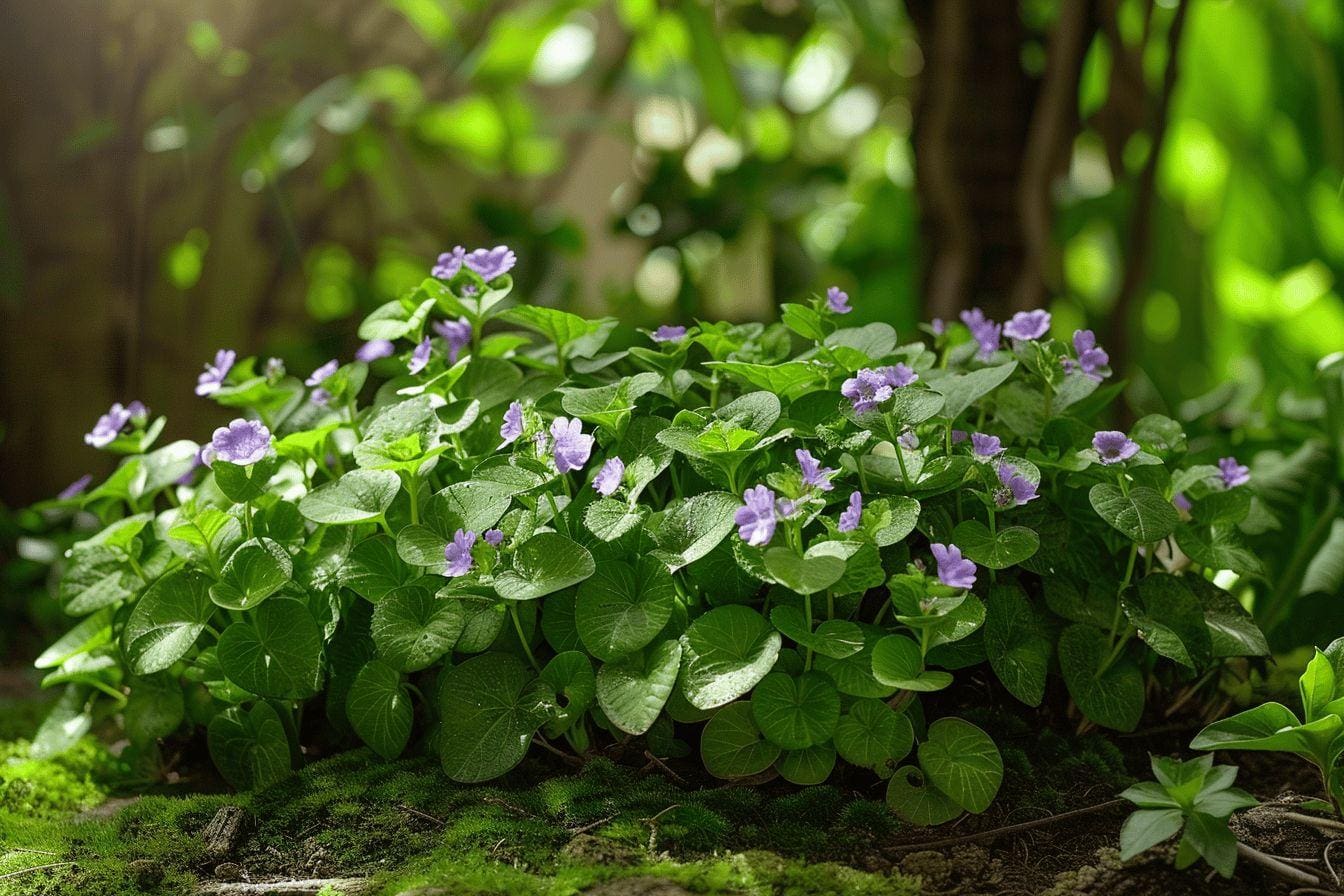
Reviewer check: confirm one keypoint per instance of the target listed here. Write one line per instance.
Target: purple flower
(419, 357)
(1233, 473)
(457, 333)
(139, 413)
(938, 326)
(320, 397)
(1181, 502)
(985, 445)
(491, 263)
(204, 455)
(898, 376)
(318, 376)
(458, 553)
(212, 379)
(109, 425)
(866, 389)
(572, 447)
(1091, 359)
(608, 479)
(1028, 325)
(493, 537)
(374, 350)
(838, 300)
(512, 427)
(1017, 489)
(984, 330)
(785, 508)
(908, 440)
(449, 263)
(756, 517)
(849, 518)
(668, 333)
(76, 488)
(953, 570)
(959, 436)
(242, 442)
(1113, 447)
(814, 474)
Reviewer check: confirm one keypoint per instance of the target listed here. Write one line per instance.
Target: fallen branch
(1283, 869)
(347, 886)
(22, 871)
(1010, 829)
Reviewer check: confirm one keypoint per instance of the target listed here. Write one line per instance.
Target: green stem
(807, 608)
(522, 639)
(413, 488)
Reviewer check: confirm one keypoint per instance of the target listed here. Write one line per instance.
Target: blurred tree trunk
(989, 140)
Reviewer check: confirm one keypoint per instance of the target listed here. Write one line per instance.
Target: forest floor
(350, 823)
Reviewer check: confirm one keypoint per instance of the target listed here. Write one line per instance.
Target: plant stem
(807, 608)
(522, 639)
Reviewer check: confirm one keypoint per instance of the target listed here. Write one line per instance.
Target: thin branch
(1283, 869)
(23, 871)
(1010, 829)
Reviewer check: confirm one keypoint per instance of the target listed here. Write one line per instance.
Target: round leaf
(413, 627)
(732, 746)
(379, 709)
(807, 767)
(623, 607)
(1017, 643)
(872, 734)
(796, 713)
(276, 652)
(359, 496)
(962, 762)
(545, 563)
(725, 652)
(999, 550)
(919, 801)
(489, 714)
(897, 663)
(1143, 515)
(257, 569)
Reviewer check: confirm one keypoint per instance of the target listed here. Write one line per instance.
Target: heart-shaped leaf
(545, 563)
(490, 709)
(1017, 643)
(918, 801)
(897, 663)
(413, 626)
(796, 713)
(622, 607)
(996, 550)
(725, 653)
(690, 528)
(807, 767)
(837, 638)
(1143, 515)
(570, 675)
(732, 745)
(804, 575)
(359, 496)
(379, 709)
(1112, 696)
(166, 621)
(633, 689)
(257, 569)
(275, 652)
(374, 568)
(962, 762)
(250, 747)
(872, 734)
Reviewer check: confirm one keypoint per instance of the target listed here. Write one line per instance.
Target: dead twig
(23, 871)
(654, 761)
(592, 824)
(1010, 829)
(1283, 869)
(425, 815)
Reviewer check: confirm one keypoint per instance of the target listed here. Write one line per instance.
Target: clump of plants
(761, 543)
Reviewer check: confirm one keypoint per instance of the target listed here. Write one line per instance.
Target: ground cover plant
(764, 545)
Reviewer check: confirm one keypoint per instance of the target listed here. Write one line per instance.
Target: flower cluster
(871, 387)
(117, 420)
(488, 264)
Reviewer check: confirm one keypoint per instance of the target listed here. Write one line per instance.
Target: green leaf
(898, 663)
(545, 563)
(611, 405)
(633, 689)
(374, 568)
(570, 675)
(1219, 547)
(789, 380)
(1232, 630)
(1113, 697)
(97, 576)
(574, 336)
(621, 608)
(890, 520)
(732, 746)
(154, 709)
(872, 734)
(717, 84)
(837, 638)
(853, 674)
(804, 321)
(395, 320)
(1017, 643)
(796, 712)
(725, 653)
(166, 621)
(917, 800)
(999, 550)
(1213, 840)
(962, 390)
(359, 496)
(89, 634)
(490, 710)
(690, 528)
(804, 575)
(379, 709)
(1317, 687)
(1144, 516)
(609, 518)
(414, 627)
(1146, 828)
(257, 569)
(249, 747)
(68, 721)
(1271, 727)
(807, 767)
(1171, 621)
(962, 762)
(275, 652)
(244, 484)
